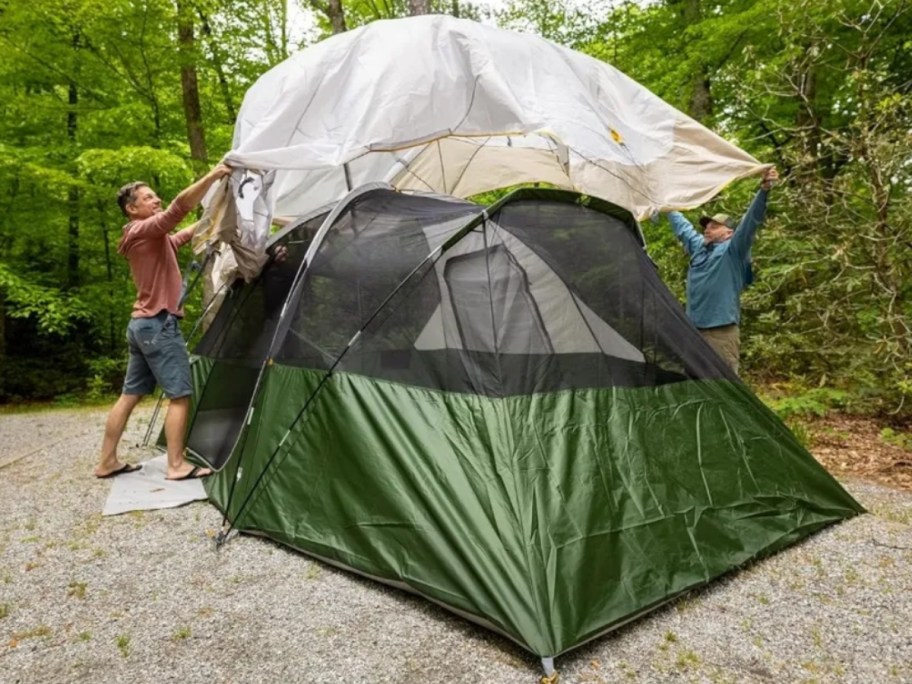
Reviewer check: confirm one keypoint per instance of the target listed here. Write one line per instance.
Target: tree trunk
(807, 119)
(2, 342)
(701, 104)
(112, 337)
(336, 14)
(218, 63)
(73, 238)
(417, 7)
(274, 53)
(72, 277)
(283, 28)
(193, 114)
(190, 87)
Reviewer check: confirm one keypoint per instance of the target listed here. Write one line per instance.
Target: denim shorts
(158, 355)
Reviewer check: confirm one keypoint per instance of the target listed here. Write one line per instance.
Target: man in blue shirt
(720, 270)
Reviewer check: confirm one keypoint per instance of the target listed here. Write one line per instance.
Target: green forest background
(95, 93)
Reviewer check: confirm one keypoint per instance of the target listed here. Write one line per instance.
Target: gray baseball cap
(724, 219)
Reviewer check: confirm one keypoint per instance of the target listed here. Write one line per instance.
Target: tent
(446, 105)
(499, 408)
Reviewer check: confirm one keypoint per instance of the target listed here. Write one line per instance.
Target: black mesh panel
(599, 257)
(371, 249)
(239, 340)
(544, 295)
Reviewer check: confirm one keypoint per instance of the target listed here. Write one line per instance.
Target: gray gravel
(144, 597)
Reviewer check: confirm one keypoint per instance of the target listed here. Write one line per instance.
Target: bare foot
(188, 472)
(118, 469)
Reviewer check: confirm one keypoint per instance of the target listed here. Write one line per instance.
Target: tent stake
(551, 675)
(222, 536)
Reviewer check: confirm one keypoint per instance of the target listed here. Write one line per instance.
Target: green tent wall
(503, 410)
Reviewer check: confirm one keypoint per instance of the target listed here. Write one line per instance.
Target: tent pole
(158, 405)
(200, 318)
(161, 395)
(430, 258)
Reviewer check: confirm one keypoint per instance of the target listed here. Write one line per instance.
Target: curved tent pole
(225, 286)
(317, 241)
(158, 404)
(199, 319)
(186, 290)
(482, 219)
(161, 395)
(284, 321)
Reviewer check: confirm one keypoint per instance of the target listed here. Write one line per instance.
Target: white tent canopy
(435, 103)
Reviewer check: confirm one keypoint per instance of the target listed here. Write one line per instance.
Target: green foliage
(123, 644)
(901, 439)
(817, 401)
(821, 89)
(799, 405)
(56, 313)
(91, 96)
(492, 196)
(111, 168)
(361, 12)
(106, 379)
(836, 304)
(564, 22)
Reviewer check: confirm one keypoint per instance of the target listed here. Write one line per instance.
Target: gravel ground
(145, 598)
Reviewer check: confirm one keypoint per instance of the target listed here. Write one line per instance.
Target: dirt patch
(850, 446)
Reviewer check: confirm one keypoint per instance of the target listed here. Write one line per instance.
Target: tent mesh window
(238, 341)
(542, 295)
(499, 316)
(600, 259)
(372, 248)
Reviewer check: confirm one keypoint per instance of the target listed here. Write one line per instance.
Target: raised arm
(164, 222)
(752, 220)
(685, 232)
(193, 194)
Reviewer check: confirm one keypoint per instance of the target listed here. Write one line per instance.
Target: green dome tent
(501, 409)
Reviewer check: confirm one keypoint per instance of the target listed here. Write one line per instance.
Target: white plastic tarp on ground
(147, 490)
(435, 103)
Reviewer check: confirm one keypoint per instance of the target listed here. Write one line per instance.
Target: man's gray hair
(127, 195)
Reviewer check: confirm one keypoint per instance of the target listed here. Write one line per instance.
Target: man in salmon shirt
(158, 354)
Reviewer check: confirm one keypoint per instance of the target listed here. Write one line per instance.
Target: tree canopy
(95, 94)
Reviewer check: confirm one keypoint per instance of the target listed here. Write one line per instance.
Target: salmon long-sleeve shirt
(152, 253)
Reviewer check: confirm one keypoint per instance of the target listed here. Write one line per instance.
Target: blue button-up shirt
(718, 272)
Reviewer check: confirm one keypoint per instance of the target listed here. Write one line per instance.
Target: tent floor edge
(396, 584)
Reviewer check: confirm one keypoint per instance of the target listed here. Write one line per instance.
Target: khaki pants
(726, 340)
